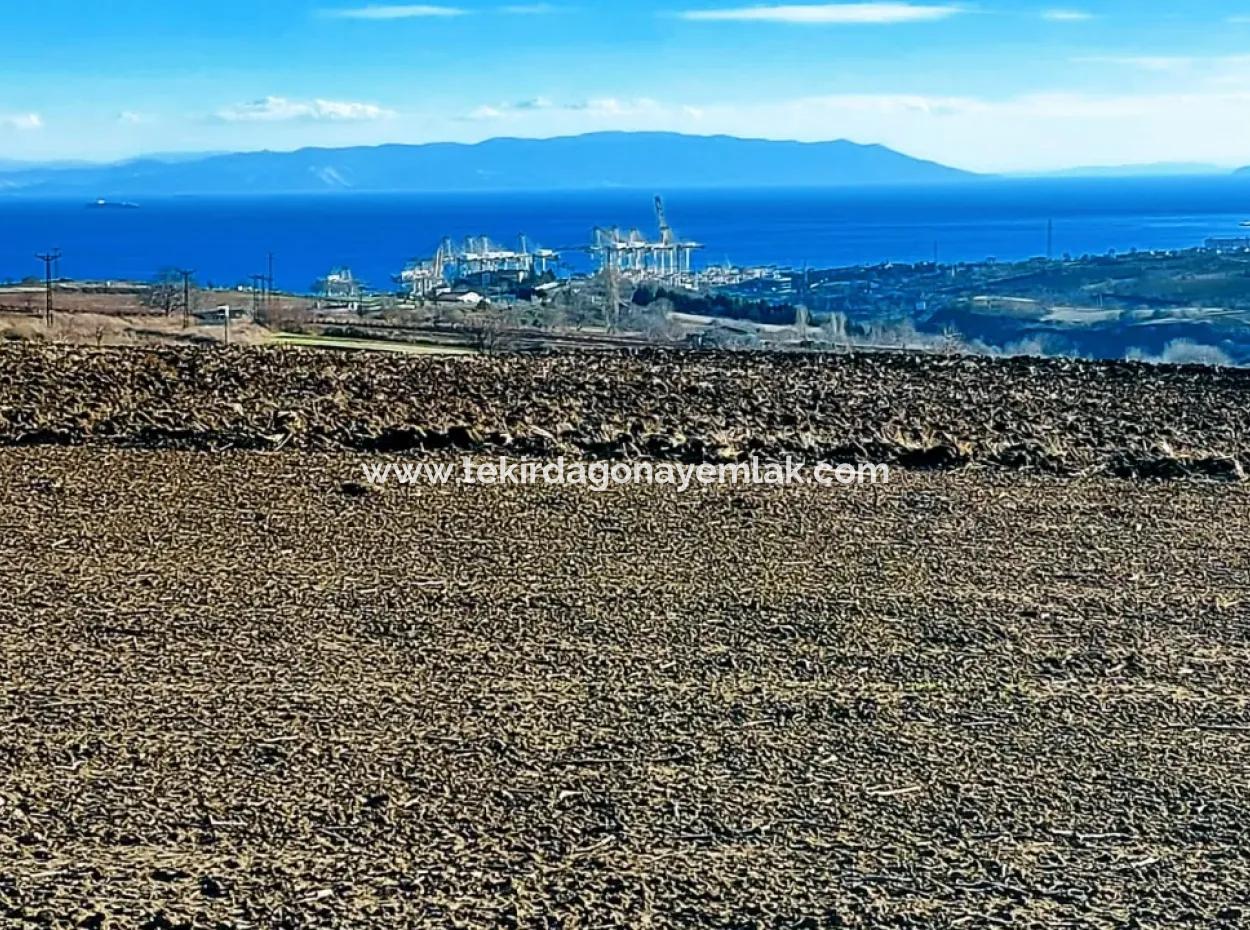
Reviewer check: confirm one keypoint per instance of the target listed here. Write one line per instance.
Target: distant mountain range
(1153, 170)
(638, 160)
(596, 161)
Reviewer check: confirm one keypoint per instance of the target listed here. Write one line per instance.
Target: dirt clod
(985, 694)
(1059, 416)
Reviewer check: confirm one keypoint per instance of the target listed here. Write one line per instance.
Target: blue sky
(985, 85)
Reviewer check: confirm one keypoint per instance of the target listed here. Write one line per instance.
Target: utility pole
(269, 290)
(186, 295)
(258, 286)
(48, 259)
(1050, 239)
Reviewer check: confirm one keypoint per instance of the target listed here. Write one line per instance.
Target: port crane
(475, 257)
(628, 254)
(668, 259)
(666, 231)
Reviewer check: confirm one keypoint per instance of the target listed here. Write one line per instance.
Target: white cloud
(596, 107)
(828, 13)
(614, 106)
(406, 11)
(280, 109)
(503, 110)
(24, 122)
(534, 103)
(346, 110)
(133, 118)
(1067, 16)
(531, 9)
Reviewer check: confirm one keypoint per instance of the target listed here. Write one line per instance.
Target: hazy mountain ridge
(595, 161)
(1150, 170)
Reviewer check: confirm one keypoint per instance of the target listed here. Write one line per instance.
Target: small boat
(1245, 224)
(103, 204)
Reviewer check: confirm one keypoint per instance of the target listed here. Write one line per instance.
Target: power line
(48, 259)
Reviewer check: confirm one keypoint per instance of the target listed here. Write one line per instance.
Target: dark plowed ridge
(917, 411)
(232, 696)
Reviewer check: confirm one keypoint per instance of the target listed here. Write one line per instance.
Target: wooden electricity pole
(186, 296)
(48, 259)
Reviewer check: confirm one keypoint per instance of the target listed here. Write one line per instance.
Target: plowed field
(235, 693)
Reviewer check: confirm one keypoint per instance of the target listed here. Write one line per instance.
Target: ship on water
(102, 204)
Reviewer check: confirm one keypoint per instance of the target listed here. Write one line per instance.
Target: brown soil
(236, 696)
(1066, 417)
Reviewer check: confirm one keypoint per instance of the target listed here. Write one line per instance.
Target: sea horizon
(227, 238)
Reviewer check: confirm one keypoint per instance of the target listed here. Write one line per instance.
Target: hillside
(1160, 169)
(599, 160)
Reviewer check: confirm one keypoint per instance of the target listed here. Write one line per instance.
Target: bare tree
(489, 335)
(835, 330)
(166, 291)
(952, 342)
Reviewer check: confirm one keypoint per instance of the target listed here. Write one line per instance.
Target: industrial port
(1178, 304)
(483, 266)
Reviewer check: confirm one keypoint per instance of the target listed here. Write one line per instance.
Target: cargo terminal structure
(668, 260)
(478, 262)
(484, 265)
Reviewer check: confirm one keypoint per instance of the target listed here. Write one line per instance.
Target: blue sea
(226, 239)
